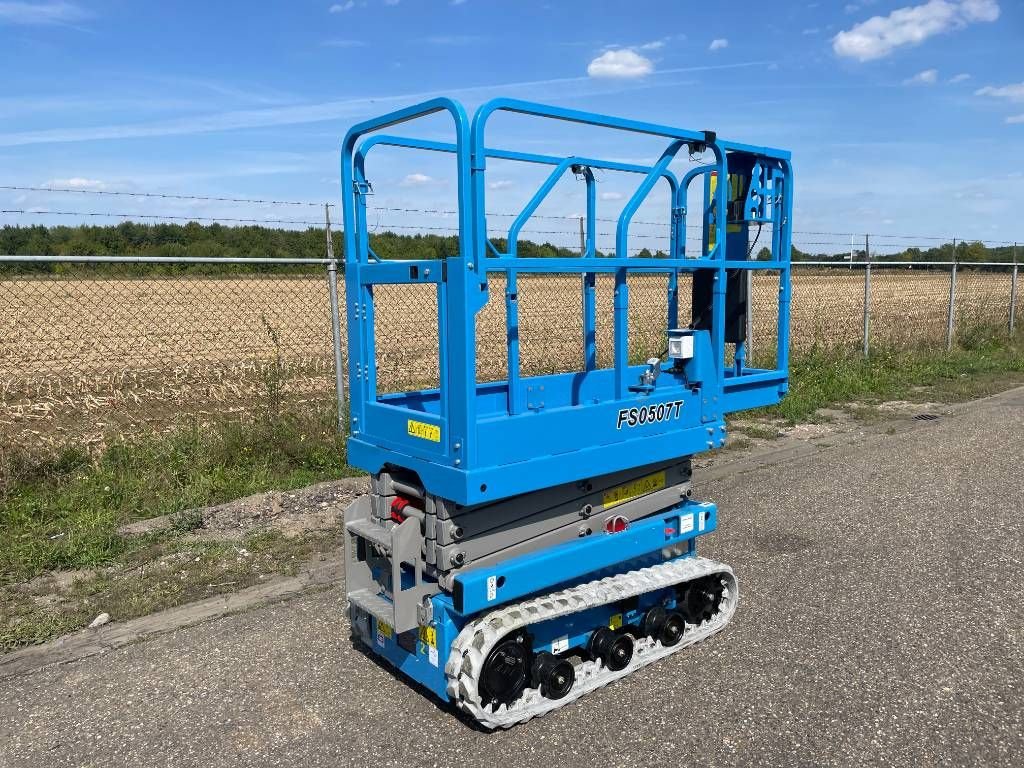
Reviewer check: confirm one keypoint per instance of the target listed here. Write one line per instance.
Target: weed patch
(984, 364)
(63, 513)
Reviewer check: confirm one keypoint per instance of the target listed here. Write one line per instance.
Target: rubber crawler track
(477, 638)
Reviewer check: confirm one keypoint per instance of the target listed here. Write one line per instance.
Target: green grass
(169, 573)
(983, 364)
(63, 512)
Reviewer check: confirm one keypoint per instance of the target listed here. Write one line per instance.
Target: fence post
(332, 286)
(583, 238)
(951, 313)
(1013, 292)
(867, 294)
(750, 317)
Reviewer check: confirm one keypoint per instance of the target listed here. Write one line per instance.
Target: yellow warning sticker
(735, 191)
(428, 636)
(384, 633)
(634, 490)
(424, 431)
(615, 622)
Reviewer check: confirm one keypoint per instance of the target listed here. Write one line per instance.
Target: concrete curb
(89, 642)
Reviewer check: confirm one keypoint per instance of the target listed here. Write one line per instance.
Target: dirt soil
(292, 513)
(184, 557)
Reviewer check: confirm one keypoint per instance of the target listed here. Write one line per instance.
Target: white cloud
(611, 196)
(927, 77)
(343, 43)
(76, 182)
(623, 63)
(654, 45)
(391, 2)
(342, 7)
(718, 43)
(1012, 92)
(881, 35)
(1015, 119)
(416, 180)
(41, 13)
(980, 10)
(500, 184)
(458, 2)
(959, 78)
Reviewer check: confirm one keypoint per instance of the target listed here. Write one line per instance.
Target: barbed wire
(374, 227)
(942, 238)
(876, 241)
(449, 212)
(163, 195)
(105, 214)
(210, 198)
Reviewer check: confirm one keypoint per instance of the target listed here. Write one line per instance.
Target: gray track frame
(370, 546)
(439, 539)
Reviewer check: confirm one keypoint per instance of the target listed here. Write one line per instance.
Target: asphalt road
(880, 623)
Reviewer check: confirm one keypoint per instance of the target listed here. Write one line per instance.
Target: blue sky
(903, 117)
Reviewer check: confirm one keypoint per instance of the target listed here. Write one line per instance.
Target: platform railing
(463, 289)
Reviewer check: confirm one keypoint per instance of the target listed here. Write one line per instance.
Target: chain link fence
(93, 351)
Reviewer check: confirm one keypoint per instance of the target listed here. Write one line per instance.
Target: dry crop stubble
(81, 358)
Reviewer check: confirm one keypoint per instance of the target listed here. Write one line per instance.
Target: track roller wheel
(554, 676)
(615, 650)
(653, 621)
(673, 628)
(665, 626)
(505, 672)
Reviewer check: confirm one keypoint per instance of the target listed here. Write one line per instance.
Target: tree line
(965, 252)
(216, 241)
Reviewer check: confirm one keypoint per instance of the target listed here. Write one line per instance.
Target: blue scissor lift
(528, 540)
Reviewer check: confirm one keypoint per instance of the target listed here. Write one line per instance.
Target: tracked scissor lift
(528, 540)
